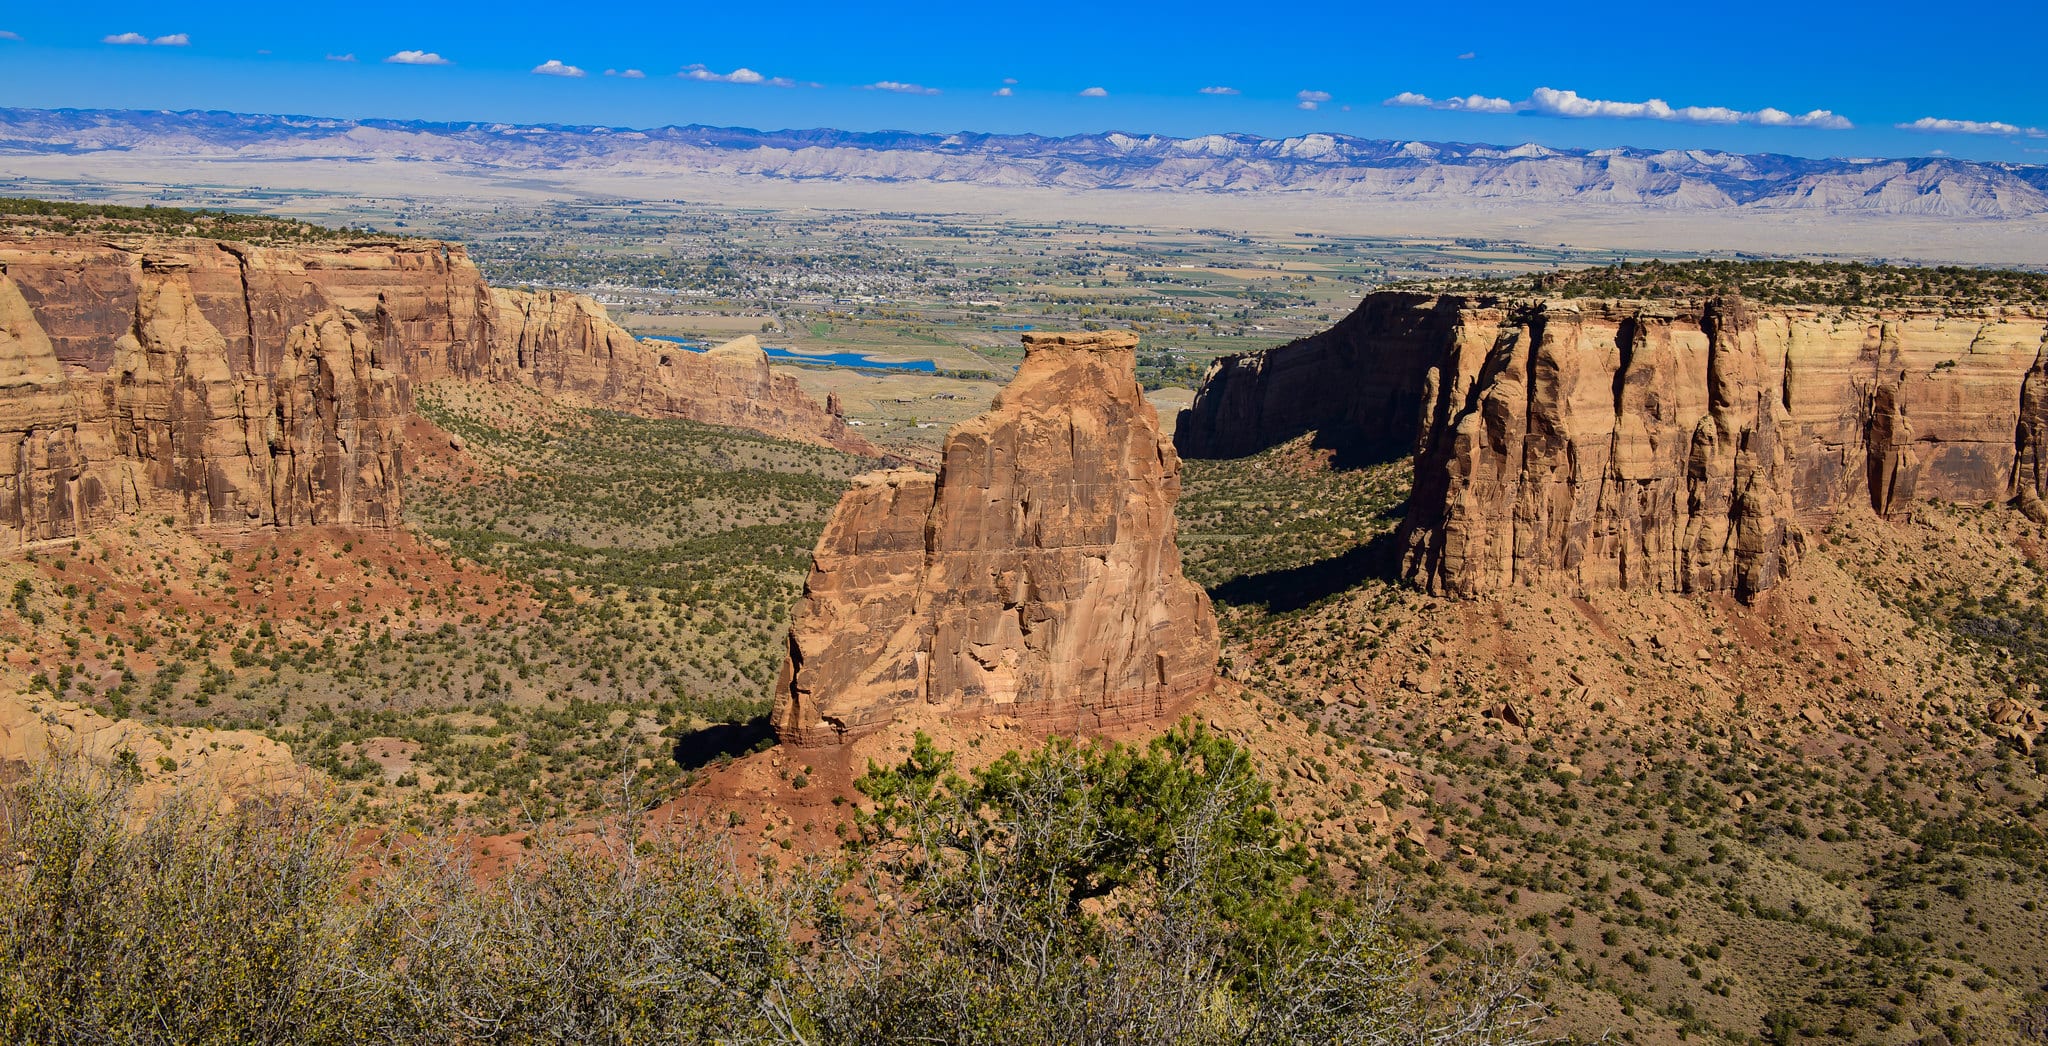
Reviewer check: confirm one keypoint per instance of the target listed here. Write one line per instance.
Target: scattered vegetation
(24, 215)
(1036, 905)
(1839, 284)
(1687, 868)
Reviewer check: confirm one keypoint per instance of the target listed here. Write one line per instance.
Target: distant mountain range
(1322, 164)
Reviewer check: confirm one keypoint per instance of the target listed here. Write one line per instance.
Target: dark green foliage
(190, 929)
(1093, 892)
(180, 923)
(1784, 283)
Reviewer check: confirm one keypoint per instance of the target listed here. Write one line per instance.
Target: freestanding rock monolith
(1036, 576)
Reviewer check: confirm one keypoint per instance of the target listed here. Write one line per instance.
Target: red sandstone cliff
(1037, 575)
(1680, 447)
(231, 384)
(170, 426)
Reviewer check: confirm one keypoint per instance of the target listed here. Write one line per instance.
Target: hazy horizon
(1372, 71)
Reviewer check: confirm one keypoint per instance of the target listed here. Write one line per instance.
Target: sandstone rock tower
(1035, 576)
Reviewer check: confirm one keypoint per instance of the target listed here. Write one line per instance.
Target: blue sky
(1810, 79)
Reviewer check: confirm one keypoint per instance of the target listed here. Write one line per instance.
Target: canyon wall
(171, 426)
(231, 384)
(564, 344)
(1036, 576)
(1682, 447)
(1357, 382)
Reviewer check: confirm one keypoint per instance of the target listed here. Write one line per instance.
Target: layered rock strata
(229, 384)
(1036, 576)
(565, 344)
(1681, 447)
(170, 426)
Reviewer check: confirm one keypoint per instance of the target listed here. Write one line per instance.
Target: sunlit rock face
(1036, 576)
(1675, 446)
(227, 384)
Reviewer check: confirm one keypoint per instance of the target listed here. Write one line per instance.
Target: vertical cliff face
(45, 491)
(424, 301)
(2030, 470)
(1037, 575)
(1605, 449)
(334, 427)
(429, 315)
(1670, 446)
(1356, 382)
(170, 426)
(231, 384)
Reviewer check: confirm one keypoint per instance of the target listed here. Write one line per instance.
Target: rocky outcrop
(425, 302)
(1036, 576)
(1680, 447)
(231, 384)
(45, 491)
(566, 345)
(36, 731)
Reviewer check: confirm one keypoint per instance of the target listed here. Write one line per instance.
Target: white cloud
(1095, 92)
(898, 87)
(1310, 99)
(1547, 101)
(555, 67)
(417, 58)
(1474, 103)
(742, 75)
(139, 40)
(628, 74)
(5, 35)
(1551, 102)
(350, 57)
(1935, 125)
(1003, 92)
(1010, 81)
(1221, 90)
(1468, 56)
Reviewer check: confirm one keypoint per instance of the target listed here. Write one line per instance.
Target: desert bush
(1083, 893)
(172, 924)
(1099, 893)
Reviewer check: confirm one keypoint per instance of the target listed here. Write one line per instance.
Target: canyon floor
(1691, 817)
